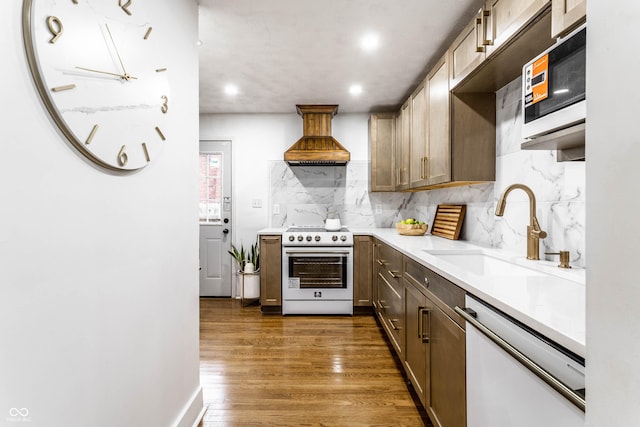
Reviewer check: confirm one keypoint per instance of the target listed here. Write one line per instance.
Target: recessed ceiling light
(231, 89)
(355, 89)
(370, 42)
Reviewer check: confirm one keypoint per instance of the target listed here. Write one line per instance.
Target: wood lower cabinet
(362, 271)
(416, 359)
(388, 303)
(447, 403)
(270, 272)
(566, 15)
(415, 307)
(434, 356)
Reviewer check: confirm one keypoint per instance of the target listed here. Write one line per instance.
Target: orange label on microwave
(539, 79)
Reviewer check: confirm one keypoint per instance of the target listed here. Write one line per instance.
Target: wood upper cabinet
(417, 174)
(468, 50)
(382, 167)
(505, 18)
(437, 165)
(460, 138)
(403, 146)
(270, 270)
(566, 15)
(362, 271)
(430, 136)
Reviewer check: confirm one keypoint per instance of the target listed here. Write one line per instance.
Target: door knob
(225, 231)
(226, 220)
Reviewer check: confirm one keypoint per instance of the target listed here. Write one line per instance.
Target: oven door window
(319, 272)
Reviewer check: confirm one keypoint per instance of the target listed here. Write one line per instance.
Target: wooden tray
(412, 229)
(448, 221)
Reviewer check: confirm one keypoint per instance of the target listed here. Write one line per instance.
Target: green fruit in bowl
(411, 221)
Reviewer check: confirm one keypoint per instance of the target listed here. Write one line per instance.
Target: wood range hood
(317, 147)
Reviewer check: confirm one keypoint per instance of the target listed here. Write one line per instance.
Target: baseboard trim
(198, 420)
(193, 412)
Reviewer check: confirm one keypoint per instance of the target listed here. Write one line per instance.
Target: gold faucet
(534, 233)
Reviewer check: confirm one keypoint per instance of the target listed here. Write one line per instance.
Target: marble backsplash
(305, 194)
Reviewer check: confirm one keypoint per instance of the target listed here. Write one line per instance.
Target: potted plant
(239, 255)
(249, 263)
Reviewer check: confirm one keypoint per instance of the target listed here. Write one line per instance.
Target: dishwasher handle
(469, 315)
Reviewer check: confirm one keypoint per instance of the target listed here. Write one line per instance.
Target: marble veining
(306, 194)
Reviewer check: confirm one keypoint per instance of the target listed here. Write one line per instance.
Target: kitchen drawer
(389, 265)
(391, 313)
(445, 294)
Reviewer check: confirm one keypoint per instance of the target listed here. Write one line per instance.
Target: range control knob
(343, 238)
(292, 238)
(317, 237)
(334, 238)
(309, 238)
(300, 238)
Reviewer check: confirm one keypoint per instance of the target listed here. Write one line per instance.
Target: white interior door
(215, 218)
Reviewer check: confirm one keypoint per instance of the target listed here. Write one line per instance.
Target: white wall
(98, 271)
(613, 175)
(258, 138)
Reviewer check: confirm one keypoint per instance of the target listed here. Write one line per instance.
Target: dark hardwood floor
(260, 370)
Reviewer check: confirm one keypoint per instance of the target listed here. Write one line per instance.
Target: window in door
(210, 187)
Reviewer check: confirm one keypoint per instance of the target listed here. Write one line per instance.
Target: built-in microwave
(553, 89)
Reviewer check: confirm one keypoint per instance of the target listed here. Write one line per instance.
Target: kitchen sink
(481, 264)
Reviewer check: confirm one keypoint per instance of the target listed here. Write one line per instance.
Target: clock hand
(122, 76)
(126, 76)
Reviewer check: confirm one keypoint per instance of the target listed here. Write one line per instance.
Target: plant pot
(250, 285)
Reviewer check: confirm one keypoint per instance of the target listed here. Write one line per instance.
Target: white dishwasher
(516, 377)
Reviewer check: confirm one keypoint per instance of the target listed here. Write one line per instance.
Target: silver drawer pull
(426, 282)
(539, 371)
(393, 325)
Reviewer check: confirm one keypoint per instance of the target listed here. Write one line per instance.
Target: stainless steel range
(317, 271)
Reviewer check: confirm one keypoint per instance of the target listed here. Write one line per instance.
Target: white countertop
(553, 304)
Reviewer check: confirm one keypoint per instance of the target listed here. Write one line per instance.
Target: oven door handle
(321, 253)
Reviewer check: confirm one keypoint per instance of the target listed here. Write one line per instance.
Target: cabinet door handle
(424, 161)
(420, 309)
(393, 325)
(478, 30)
(485, 16)
(424, 335)
(381, 305)
(393, 274)
(381, 262)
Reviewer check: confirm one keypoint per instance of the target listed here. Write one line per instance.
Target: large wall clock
(98, 67)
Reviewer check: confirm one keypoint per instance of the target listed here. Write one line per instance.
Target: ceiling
(280, 53)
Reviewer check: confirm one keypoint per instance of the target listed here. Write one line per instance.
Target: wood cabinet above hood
(317, 147)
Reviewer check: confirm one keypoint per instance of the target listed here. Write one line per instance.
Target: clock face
(98, 66)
